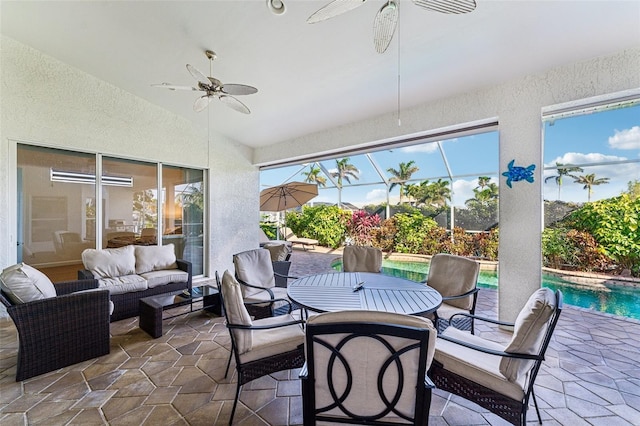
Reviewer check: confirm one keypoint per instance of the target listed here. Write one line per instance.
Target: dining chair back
(361, 259)
(367, 367)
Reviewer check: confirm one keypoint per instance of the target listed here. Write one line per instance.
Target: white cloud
(462, 191)
(580, 158)
(425, 147)
(376, 196)
(626, 139)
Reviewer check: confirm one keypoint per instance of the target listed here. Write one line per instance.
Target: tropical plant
(431, 193)
(561, 171)
(564, 248)
(402, 175)
(344, 171)
(633, 189)
(589, 181)
(411, 232)
(615, 225)
(313, 176)
(360, 227)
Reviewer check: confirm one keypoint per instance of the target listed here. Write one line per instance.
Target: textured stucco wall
(517, 104)
(45, 101)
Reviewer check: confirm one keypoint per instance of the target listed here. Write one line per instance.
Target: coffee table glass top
(335, 292)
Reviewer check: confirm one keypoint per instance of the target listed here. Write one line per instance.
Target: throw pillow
(24, 283)
(155, 258)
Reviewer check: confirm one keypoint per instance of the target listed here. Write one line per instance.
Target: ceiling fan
(213, 88)
(384, 24)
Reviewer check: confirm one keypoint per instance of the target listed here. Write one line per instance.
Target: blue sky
(586, 140)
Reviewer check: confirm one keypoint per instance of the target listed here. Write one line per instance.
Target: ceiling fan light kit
(276, 7)
(214, 88)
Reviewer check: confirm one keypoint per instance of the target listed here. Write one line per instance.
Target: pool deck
(591, 375)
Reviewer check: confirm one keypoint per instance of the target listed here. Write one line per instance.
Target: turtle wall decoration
(518, 173)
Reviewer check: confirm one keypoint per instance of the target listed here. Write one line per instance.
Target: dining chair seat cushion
(361, 259)
(274, 341)
(24, 283)
(254, 267)
(477, 366)
(263, 296)
(155, 258)
(236, 312)
(113, 262)
(528, 332)
(446, 311)
(443, 268)
(365, 357)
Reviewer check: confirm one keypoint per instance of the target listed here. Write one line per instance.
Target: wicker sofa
(133, 272)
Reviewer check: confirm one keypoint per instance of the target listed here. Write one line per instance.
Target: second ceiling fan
(386, 20)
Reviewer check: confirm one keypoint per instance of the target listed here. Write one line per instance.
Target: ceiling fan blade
(238, 89)
(335, 8)
(233, 103)
(447, 6)
(201, 103)
(384, 26)
(174, 87)
(195, 72)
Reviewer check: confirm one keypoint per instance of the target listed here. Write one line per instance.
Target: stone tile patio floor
(591, 376)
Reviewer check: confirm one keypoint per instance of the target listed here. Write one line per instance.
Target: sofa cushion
(24, 283)
(123, 284)
(158, 278)
(109, 263)
(154, 258)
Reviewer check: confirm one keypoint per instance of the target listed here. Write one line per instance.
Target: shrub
(412, 229)
(614, 223)
(327, 224)
(360, 227)
(486, 244)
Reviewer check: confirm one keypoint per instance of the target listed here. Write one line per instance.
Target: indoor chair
(262, 346)
(255, 272)
(456, 279)
(361, 259)
(499, 378)
(388, 385)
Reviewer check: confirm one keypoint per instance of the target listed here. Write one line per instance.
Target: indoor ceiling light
(86, 178)
(276, 7)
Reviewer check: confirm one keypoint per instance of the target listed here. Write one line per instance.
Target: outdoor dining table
(335, 292)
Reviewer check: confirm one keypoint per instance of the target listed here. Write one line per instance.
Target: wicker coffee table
(151, 308)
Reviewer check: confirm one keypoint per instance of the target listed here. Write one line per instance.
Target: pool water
(617, 300)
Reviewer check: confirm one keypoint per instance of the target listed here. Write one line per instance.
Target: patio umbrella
(287, 196)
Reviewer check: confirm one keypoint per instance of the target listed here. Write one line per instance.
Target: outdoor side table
(151, 307)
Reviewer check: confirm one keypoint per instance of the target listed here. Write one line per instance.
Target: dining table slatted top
(332, 292)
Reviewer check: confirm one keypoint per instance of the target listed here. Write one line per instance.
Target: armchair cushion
(274, 341)
(528, 332)
(254, 267)
(23, 284)
(154, 258)
(113, 262)
(477, 366)
(236, 312)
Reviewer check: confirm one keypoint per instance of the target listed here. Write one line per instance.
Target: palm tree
(402, 175)
(484, 192)
(431, 193)
(589, 181)
(344, 171)
(313, 176)
(563, 171)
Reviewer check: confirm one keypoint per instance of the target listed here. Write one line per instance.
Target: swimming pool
(617, 300)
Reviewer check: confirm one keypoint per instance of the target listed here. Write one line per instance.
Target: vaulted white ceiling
(314, 77)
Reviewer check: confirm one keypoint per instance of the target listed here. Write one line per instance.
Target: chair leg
(226, 373)
(535, 404)
(235, 403)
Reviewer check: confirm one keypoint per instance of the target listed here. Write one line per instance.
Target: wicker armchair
(387, 386)
(254, 270)
(499, 378)
(60, 331)
(259, 347)
(456, 279)
(361, 259)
